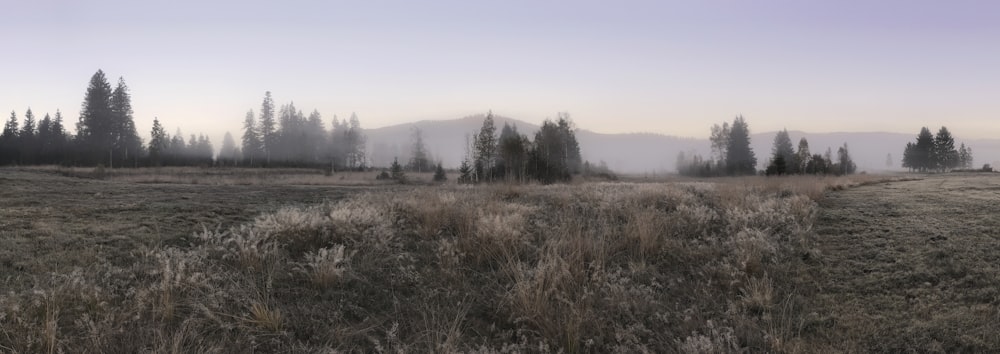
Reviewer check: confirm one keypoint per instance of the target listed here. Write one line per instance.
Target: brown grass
(691, 266)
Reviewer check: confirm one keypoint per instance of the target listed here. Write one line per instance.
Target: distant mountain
(648, 152)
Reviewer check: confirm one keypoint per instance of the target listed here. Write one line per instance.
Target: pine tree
(9, 144)
(945, 155)
(316, 141)
(227, 154)
(439, 174)
(267, 131)
(396, 171)
(158, 143)
(923, 151)
(96, 128)
(27, 141)
(572, 159)
(465, 172)
(252, 146)
(783, 152)
(740, 159)
(125, 139)
(512, 149)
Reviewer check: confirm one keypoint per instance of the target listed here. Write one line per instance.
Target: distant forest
(285, 137)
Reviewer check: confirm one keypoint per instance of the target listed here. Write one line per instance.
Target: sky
(670, 67)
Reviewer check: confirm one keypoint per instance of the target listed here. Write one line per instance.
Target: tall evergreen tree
(923, 151)
(316, 137)
(9, 142)
(512, 149)
(783, 152)
(740, 159)
(253, 148)
(945, 154)
(27, 139)
(268, 130)
(227, 154)
(126, 142)
(96, 127)
(573, 160)
(158, 143)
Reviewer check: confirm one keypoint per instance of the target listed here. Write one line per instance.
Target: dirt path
(910, 266)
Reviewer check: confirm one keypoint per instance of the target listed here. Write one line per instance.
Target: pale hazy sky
(669, 67)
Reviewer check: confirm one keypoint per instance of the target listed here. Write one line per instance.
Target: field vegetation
(594, 267)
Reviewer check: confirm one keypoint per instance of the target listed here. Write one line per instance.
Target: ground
(911, 265)
(900, 267)
(51, 222)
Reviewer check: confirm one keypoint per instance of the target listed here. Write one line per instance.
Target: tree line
(287, 137)
(732, 156)
(552, 156)
(105, 135)
(936, 152)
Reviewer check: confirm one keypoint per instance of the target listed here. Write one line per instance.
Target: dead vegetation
(605, 267)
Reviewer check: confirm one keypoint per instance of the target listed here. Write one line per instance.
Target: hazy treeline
(553, 155)
(936, 152)
(287, 137)
(105, 135)
(733, 156)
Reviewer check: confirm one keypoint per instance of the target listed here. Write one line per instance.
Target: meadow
(200, 261)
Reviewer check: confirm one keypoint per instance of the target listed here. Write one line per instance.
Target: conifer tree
(158, 143)
(945, 155)
(96, 128)
(227, 154)
(267, 131)
(740, 159)
(252, 146)
(439, 174)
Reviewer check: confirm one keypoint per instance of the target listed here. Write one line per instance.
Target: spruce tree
(783, 149)
(126, 142)
(923, 151)
(268, 129)
(227, 154)
(252, 146)
(740, 159)
(96, 128)
(945, 155)
(158, 143)
(439, 174)
(396, 171)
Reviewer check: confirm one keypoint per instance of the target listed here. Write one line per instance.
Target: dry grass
(605, 267)
(228, 176)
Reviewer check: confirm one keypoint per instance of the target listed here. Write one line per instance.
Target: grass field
(204, 261)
